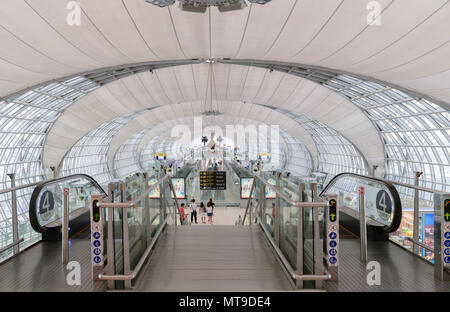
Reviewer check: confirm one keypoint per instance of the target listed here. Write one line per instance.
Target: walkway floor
(213, 258)
(400, 270)
(40, 269)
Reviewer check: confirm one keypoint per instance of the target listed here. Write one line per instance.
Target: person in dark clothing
(193, 208)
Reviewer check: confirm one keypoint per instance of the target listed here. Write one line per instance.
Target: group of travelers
(204, 212)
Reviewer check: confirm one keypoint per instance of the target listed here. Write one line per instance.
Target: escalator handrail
(32, 209)
(397, 204)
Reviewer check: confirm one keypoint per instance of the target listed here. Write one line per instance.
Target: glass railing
(138, 214)
(291, 215)
(47, 200)
(383, 207)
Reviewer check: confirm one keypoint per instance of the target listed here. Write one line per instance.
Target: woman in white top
(203, 212)
(210, 213)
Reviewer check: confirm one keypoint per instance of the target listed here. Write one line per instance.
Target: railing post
(277, 211)
(110, 268)
(416, 213)
(65, 227)
(125, 238)
(318, 249)
(148, 232)
(362, 225)
(262, 199)
(97, 257)
(15, 222)
(301, 188)
(441, 236)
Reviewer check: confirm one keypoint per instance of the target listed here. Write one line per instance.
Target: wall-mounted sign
(246, 186)
(155, 192)
(270, 194)
(178, 186)
(160, 156)
(213, 180)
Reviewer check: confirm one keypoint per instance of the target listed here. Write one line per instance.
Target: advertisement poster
(178, 186)
(154, 193)
(246, 185)
(270, 194)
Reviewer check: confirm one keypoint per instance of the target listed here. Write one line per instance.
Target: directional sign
(333, 244)
(447, 243)
(447, 210)
(447, 251)
(384, 204)
(97, 251)
(447, 260)
(97, 243)
(333, 260)
(96, 235)
(213, 180)
(333, 210)
(333, 252)
(447, 235)
(97, 259)
(333, 235)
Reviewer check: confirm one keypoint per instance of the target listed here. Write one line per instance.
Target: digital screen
(213, 180)
(178, 186)
(154, 193)
(246, 186)
(269, 192)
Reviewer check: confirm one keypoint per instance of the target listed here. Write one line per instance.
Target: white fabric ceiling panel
(269, 85)
(169, 84)
(153, 87)
(253, 80)
(264, 25)
(192, 31)
(343, 26)
(300, 94)
(34, 45)
(315, 98)
(123, 35)
(396, 22)
(186, 83)
(235, 82)
(296, 35)
(138, 92)
(85, 38)
(227, 31)
(284, 90)
(156, 31)
(415, 44)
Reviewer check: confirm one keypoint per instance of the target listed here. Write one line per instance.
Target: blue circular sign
(447, 251)
(447, 259)
(333, 260)
(333, 244)
(333, 252)
(97, 259)
(96, 235)
(97, 251)
(97, 243)
(447, 243)
(447, 235)
(333, 235)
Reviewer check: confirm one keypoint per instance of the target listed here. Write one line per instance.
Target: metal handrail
(11, 189)
(415, 187)
(37, 190)
(286, 263)
(137, 269)
(11, 245)
(397, 204)
(135, 201)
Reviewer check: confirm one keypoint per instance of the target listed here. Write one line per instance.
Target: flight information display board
(213, 180)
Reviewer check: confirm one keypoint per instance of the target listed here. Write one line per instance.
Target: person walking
(203, 212)
(193, 208)
(210, 210)
(183, 215)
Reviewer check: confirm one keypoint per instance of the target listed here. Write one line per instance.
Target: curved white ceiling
(409, 48)
(147, 120)
(232, 85)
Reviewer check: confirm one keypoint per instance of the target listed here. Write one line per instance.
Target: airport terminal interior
(224, 146)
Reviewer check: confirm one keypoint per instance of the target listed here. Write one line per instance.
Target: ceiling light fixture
(200, 6)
